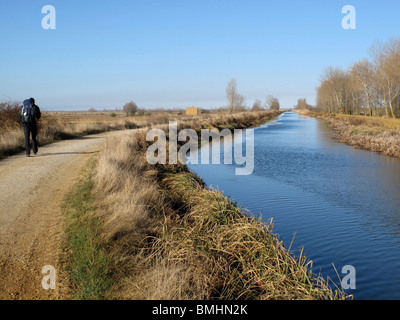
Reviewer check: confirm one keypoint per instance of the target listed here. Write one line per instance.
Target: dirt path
(31, 222)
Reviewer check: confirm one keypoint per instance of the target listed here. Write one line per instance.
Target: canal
(340, 204)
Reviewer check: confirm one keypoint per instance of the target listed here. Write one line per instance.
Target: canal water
(340, 204)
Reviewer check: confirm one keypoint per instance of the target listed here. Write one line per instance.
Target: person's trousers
(30, 130)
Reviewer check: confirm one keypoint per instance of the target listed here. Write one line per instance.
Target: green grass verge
(86, 259)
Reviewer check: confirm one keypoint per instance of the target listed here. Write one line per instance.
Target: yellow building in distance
(192, 111)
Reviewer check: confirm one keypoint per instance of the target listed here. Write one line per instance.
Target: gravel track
(32, 190)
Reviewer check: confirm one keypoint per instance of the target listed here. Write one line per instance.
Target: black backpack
(27, 112)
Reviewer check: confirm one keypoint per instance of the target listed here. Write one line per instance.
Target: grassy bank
(370, 133)
(85, 258)
(165, 235)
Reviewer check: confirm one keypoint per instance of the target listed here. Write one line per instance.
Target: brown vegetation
(169, 237)
(369, 133)
(68, 125)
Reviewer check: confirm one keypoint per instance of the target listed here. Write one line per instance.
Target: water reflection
(343, 203)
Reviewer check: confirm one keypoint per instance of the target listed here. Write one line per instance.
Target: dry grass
(169, 237)
(232, 255)
(55, 126)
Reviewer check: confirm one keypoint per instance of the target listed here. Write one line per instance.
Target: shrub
(9, 115)
(356, 121)
(130, 108)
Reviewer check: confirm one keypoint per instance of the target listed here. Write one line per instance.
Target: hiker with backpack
(30, 114)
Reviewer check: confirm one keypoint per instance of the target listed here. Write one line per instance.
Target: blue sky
(174, 53)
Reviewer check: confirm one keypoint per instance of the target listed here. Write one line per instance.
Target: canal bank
(376, 134)
(165, 235)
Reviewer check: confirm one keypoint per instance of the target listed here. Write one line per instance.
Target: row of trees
(368, 87)
(236, 101)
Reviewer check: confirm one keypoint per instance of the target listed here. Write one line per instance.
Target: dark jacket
(36, 112)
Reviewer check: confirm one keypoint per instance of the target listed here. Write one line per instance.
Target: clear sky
(170, 53)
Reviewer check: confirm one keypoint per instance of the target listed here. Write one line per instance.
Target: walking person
(30, 114)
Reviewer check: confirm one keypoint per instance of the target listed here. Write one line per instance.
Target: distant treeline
(368, 87)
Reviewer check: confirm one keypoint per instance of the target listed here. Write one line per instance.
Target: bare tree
(387, 61)
(301, 104)
(363, 76)
(130, 108)
(272, 103)
(257, 105)
(235, 100)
